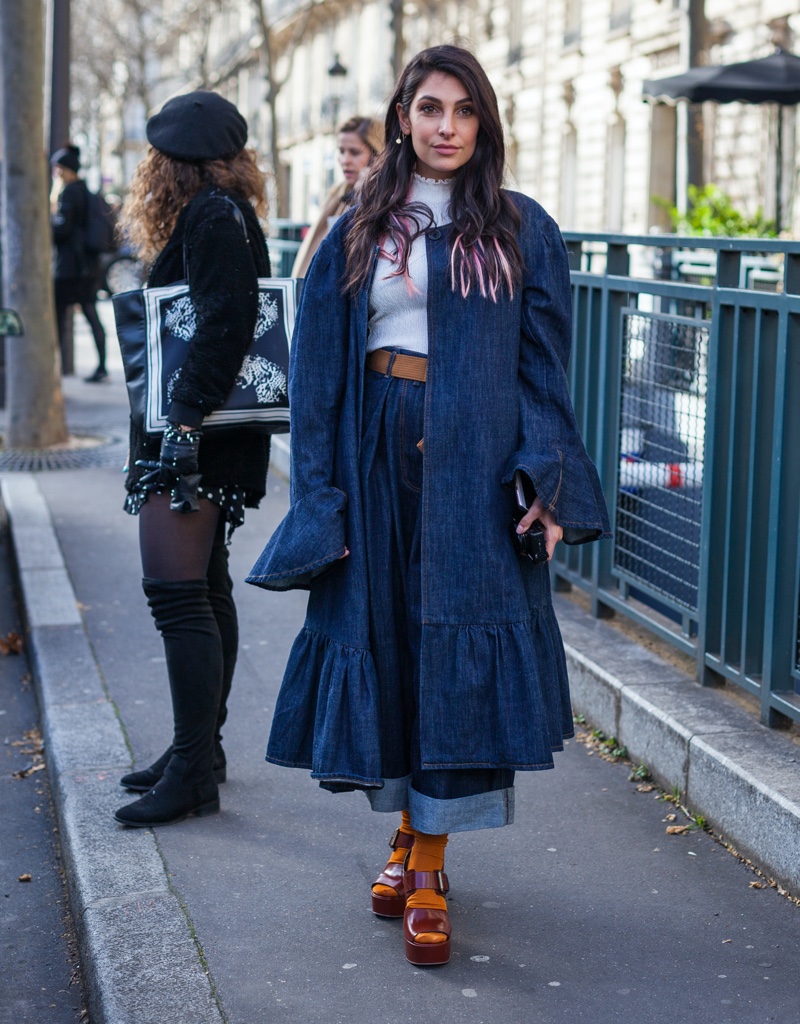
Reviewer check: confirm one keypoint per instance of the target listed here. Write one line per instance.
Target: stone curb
(741, 776)
(140, 961)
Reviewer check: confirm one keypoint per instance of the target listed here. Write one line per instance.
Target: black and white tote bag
(155, 327)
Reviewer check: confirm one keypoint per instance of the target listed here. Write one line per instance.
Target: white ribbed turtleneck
(398, 319)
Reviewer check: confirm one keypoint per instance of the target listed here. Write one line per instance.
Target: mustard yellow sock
(427, 854)
(398, 855)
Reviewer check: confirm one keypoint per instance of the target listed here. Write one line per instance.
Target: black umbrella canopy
(773, 79)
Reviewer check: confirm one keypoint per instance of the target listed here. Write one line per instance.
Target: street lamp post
(60, 56)
(59, 74)
(337, 73)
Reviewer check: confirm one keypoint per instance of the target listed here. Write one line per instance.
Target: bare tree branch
(268, 56)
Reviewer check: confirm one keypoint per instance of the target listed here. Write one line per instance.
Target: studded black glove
(176, 469)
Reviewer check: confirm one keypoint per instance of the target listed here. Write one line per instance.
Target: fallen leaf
(23, 773)
(670, 817)
(677, 830)
(757, 885)
(726, 940)
(645, 787)
(25, 878)
(11, 643)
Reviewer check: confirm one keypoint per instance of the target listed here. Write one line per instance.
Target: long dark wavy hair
(484, 252)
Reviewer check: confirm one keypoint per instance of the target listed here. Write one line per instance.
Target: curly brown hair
(162, 186)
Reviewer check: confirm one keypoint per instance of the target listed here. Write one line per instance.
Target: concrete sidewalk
(585, 909)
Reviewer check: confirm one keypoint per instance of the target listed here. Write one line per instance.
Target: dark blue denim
(493, 690)
(439, 799)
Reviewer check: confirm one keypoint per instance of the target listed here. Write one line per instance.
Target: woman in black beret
(186, 488)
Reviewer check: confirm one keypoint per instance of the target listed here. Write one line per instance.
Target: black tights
(98, 333)
(175, 546)
(189, 590)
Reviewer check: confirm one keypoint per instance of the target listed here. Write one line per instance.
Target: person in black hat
(76, 269)
(185, 487)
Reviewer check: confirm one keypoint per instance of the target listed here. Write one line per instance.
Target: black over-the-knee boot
(193, 648)
(220, 591)
(220, 596)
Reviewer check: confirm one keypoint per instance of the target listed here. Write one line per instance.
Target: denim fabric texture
(438, 799)
(492, 687)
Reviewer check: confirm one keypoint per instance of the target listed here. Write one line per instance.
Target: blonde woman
(360, 140)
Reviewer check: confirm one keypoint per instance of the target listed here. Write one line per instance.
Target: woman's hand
(177, 468)
(552, 531)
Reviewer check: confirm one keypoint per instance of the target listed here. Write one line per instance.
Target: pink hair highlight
(402, 251)
(469, 264)
(488, 275)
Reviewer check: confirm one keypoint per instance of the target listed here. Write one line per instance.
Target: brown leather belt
(396, 364)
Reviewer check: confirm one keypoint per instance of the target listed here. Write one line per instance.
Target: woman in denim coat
(428, 367)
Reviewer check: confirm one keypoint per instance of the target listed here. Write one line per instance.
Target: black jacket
(68, 224)
(223, 270)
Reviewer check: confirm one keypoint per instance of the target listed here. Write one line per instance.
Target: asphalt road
(41, 978)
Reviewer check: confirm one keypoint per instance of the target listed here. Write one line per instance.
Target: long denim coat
(493, 682)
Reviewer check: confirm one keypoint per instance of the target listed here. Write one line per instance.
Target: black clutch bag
(530, 544)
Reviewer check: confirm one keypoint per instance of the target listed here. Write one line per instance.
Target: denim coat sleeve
(312, 535)
(551, 450)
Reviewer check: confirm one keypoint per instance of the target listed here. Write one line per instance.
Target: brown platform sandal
(417, 920)
(392, 876)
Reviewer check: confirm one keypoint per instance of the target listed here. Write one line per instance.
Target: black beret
(69, 156)
(198, 126)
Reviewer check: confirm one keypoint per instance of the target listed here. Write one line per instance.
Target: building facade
(568, 74)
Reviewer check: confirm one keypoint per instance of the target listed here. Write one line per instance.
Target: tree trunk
(278, 166)
(398, 42)
(34, 403)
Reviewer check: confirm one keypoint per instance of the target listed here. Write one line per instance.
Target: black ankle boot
(143, 781)
(172, 799)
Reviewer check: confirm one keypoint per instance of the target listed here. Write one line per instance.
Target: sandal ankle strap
(436, 880)
(401, 839)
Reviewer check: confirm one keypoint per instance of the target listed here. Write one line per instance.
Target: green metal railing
(284, 241)
(685, 375)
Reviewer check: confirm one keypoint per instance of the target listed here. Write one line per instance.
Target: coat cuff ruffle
(566, 481)
(326, 718)
(309, 539)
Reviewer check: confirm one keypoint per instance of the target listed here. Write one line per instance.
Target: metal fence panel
(687, 391)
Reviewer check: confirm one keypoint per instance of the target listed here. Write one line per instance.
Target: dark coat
(74, 268)
(223, 269)
(493, 680)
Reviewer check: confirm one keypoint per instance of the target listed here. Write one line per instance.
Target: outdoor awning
(773, 79)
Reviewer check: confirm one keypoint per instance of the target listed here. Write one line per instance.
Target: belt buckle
(393, 838)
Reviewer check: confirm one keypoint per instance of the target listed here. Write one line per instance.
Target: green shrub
(711, 213)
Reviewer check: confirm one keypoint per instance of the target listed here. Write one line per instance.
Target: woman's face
(443, 125)
(354, 155)
(64, 174)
